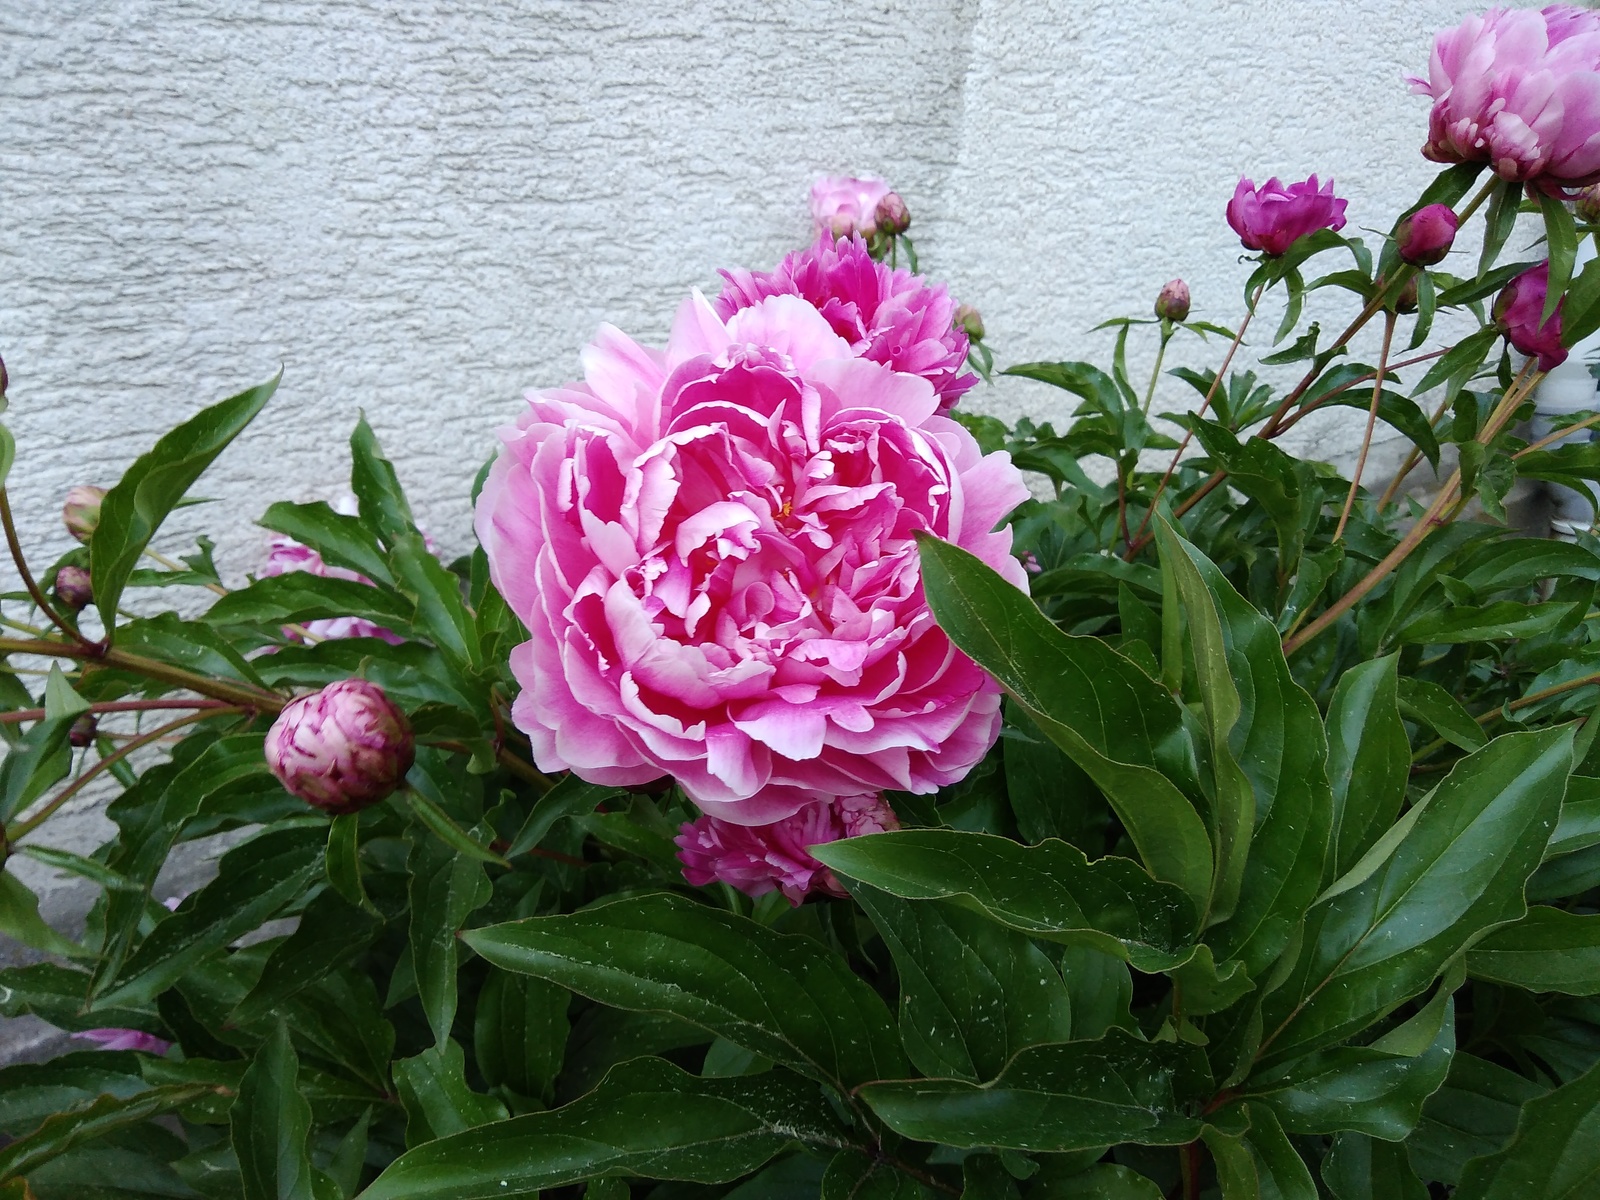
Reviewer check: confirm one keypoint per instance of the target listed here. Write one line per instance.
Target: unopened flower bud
(82, 510)
(4, 378)
(1173, 302)
(1425, 237)
(1588, 209)
(342, 749)
(82, 731)
(1517, 311)
(893, 216)
(968, 320)
(73, 587)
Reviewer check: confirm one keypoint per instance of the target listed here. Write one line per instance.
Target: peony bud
(1425, 237)
(73, 587)
(82, 731)
(341, 749)
(4, 378)
(1173, 302)
(82, 510)
(969, 322)
(124, 1039)
(1517, 311)
(892, 215)
(1588, 208)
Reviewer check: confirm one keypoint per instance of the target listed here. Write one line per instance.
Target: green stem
(19, 715)
(27, 576)
(1372, 422)
(1155, 374)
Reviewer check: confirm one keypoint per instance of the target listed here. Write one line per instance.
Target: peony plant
(783, 799)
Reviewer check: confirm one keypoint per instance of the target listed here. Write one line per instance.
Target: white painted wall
(422, 209)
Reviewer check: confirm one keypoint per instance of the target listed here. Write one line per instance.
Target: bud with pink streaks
(81, 511)
(1173, 302)
(342, 749)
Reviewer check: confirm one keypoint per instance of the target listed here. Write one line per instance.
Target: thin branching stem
(1372, 424)
(28, 580)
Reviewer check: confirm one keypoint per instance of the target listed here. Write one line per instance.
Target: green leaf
(1501, 219)
(441, 612)
(1049, 794)
(1581, 316)
(331, 934)
(31, 1092)
(59, 699)
(1102, 1181)
(971, 994)
(1547, 951)
(1117, 723)
(1555, 1153)
(1369, 759)
(1260, 1165)
(1460, 363)
(151, 488)
(101, 1117)
(20, 919)
(1473, 1114)
(350, 1157)
(1050, 890)
(648, 1119)
(343, 861)
(255, 881)
(60, 995)
(1051, 1099)
(1429, 704)
(299, 596)
(1387, 929)
(188, 644)
(341, 541)
(570, 797)
(1358, 1167)
(270, 1123)
(433, 1088)
(1561, 248)
(854, 1175)
(384, 508)
(438, 823)
(30, 769)
(785, 997)
(1500, 621)
(8, 448)
(520, 1032)
(445, 889)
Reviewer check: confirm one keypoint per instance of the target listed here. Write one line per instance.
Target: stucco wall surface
(420, 210)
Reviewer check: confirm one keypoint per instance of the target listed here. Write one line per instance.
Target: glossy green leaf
(60, 995)
(1049, 794)
(1547, 951)
(1358, 1167)
(1261, 1164)
(441, 612)
(647, 1119)
(105, 1115)
(1050, 890)
(445, 889)
(1473, 1114)
(1501, 621)
(21, 922)
(438, 822)
(785, 997)
(151, 488)
(1070, 1096)
(520, 1032)
(1561, 248)
(341, 541)
(854, 1175)
(1369, 760)
(971, 994)
(31, 1092)
(270, 1122)
(1387, 929)
(1501, 219)
(1581, 316)
(384, 508)
(1554, 1154)
(30, 769)
(1117, 723)
(1429, 704)
(433, 1088)
(343, 861)
(331, 934)
(570, 797)
(1102, 1181)
(299, 596)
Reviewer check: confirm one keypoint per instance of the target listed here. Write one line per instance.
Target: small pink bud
(1425, 237)
(1517, 311)
(82, 510)
(341, 749)
(892, 215)
(82, 731)
(73, 587)
(1173, 302)
(968, 321)
(1588, 208)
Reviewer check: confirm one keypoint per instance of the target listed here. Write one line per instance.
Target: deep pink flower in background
(842, 205)
(1517, 311)
(1519, 90)
(757, 859)
(1272, 217)
(887, 315)
(1425, 237)
(712, 549)
(125, 1039)
(342, 749)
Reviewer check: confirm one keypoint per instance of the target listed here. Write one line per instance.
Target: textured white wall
(423, 209)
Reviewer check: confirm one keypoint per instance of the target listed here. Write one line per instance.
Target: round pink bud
(73, 587)
(82, 731)
(1588, 208)
(1173, 302)
(341, 749)
(1517, 311)
(969, 322)
(1425, 237)
(82, 510)
(892, 215)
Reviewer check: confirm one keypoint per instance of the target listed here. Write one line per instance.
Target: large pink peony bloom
(890, 316)
(1271, 218)
(759, 858)
(712, 549)
(1519, 90)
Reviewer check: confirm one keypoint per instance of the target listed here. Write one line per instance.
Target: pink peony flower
(1272, 218)
(758, 858)
(1519, 90)
(712, 549)
(1517, 311)
(342, 749)
(842, 205)
(889, 316)
(125, 1039)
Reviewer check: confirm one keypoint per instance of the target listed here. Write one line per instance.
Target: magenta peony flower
(712, 549)
(889, 316)
(758, 858)
(125, 1039)
(1517, 311)
(1519, 90)
(1272, 218)
(1425, 237)
(842, 205)
(341, 749)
